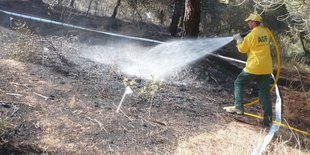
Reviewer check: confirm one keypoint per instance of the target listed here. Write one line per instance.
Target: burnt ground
(66, 104)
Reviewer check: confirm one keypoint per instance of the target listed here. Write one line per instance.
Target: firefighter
(258, 67)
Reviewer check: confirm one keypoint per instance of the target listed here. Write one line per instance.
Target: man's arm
(246, 44)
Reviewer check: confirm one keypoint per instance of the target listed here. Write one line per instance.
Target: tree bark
(305, 43)
(191, 18)
(182, 12)
(161, 16)
(96, 8)
(89, 6)
(203, 15)
(72, 3)
(175, 18)
(118, 3)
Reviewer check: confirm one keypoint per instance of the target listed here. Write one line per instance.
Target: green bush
(146, 91)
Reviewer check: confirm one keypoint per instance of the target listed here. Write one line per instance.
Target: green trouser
(263, 82)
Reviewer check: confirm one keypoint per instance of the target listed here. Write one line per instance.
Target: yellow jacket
(256, 45)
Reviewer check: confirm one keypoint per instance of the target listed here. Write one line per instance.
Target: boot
(267, 121)
(234, 110)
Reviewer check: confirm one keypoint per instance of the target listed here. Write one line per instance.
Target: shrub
(26, 47)
(146, 91)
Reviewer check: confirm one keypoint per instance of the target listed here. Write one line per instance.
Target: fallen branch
(13, 94)
(211, 99)
(51, 44)
(124, 113)
(17, 84)
(159, 122)
(154, 122)
(297, 139)
(8, 102)
(302, 86)
(4, 140)
(99, 123)
(45, 97)
(15, 109)
(213, 78)
(239, 3)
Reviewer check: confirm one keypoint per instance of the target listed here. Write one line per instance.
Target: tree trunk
(89, 6)
(182, 12)
(96, 8)
(72, 3)
(191, 18)
(305, 43)
(161, 16)
(118, 3)
(203, 15)
(175, 18)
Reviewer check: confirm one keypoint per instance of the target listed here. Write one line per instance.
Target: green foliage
(145, 91)
(3, 126)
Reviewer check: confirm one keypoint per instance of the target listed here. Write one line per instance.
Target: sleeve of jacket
(245, 45)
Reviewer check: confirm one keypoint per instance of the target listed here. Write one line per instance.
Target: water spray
(190, 53)
(159, 62)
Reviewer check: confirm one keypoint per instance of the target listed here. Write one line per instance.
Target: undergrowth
(3, 127)
(27, 45)
(292, 52)
(146, 91)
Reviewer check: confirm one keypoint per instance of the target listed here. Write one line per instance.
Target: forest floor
(61, 103)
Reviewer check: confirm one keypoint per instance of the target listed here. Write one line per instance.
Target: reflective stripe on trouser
(263, 83)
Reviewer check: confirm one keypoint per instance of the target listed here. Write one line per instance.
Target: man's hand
(238, 38)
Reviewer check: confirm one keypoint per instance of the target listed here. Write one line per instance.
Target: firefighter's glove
(238, 38)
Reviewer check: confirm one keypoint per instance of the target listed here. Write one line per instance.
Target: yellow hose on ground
(283, 125)
(278, 67)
